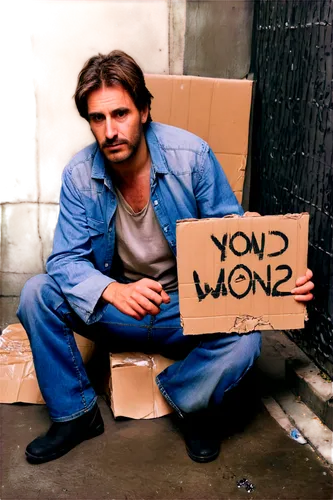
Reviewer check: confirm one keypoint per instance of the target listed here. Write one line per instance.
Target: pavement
(146, 459)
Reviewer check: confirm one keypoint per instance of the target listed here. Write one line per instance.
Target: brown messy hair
(116, 68)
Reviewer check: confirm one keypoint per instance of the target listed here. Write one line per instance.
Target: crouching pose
(112, 272)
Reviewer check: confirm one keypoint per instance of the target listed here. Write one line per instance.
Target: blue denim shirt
(186, 182)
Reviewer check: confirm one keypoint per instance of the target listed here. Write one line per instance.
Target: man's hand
(304, 285)
(136, 299)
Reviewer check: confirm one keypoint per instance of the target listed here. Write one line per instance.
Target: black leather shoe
(63, 436)
(202, 436)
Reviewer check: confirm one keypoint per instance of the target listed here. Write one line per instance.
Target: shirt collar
(157, 160)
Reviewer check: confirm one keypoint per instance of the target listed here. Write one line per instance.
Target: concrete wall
(143, 29)
(218, 38)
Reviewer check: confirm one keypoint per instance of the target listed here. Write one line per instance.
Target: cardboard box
(236, 273)
(133, 390)
(18, 381)
(218, 110)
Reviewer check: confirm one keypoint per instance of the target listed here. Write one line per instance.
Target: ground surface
(146, 459)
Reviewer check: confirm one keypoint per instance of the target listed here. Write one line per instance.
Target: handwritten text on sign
(240, 244)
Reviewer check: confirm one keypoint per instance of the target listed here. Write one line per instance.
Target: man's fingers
(251, 214)
(306, 288)
(145, 304)
(303, 298)
(165, 297)
(149, 294)
(156, 287)
(151, 284)
(127, 309)
(153, 290)
(153, 296)
(309, 274)
(137, 308)
(304, 279)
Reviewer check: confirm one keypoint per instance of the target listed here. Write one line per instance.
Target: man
(112, 272)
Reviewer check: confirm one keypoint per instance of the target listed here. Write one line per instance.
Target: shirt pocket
(95, 227)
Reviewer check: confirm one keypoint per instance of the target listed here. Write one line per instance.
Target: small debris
(324, 473)
(297, 436)
(245, 483)
(325, 377)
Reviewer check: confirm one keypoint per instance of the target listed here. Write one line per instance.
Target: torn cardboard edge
(18, 380)
(236, 273)
(236, 216)
(132, 390)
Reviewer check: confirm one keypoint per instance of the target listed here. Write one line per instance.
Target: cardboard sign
(236, 273)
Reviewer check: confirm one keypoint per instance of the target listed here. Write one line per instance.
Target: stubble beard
(120, 157)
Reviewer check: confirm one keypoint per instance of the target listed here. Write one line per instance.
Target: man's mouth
(114, 145)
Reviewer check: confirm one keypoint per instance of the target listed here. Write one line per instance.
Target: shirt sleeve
(212, 190)
(70, 263)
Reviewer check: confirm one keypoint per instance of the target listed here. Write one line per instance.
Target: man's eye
(121, 113)
(97, 118)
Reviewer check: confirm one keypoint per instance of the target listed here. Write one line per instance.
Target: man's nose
(110, 128)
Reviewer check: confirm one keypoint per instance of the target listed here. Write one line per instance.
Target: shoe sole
(32, 459)
(201, 459)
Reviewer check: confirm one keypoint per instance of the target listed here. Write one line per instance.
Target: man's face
(116, 122)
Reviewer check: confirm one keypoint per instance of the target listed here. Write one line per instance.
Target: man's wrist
(108, 293)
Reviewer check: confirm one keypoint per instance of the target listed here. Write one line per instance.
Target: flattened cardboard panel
(200, 106)
(236, 273)
(160, 87)
(230, 116)
(234, 167)
(180, 103)
(217, 110)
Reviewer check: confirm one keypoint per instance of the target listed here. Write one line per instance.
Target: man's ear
(144, 115)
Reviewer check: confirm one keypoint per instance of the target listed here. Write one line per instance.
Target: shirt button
(110, 229)
(155, 203)
(166, 229)
(106, 264)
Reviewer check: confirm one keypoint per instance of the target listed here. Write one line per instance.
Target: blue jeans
(207, 365)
